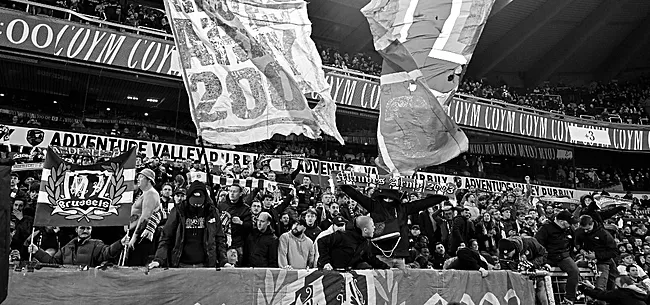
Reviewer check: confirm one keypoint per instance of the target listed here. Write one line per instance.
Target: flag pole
(31, 242)
(208, 176)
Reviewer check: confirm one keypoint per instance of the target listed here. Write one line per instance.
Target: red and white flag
(425, 46)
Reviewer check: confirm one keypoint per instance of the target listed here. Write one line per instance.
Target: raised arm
(355, 195)
(423, 204)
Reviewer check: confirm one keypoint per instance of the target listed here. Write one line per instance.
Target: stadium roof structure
(526, 41)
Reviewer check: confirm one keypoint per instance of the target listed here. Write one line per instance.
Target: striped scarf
(152, 224)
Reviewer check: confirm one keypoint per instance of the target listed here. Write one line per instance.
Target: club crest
(85, 194)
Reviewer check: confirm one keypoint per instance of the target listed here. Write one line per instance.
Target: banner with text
(404, 184)
(520, 150)
(78, 41)
(513, 121)
(35, 140)
(269, 286)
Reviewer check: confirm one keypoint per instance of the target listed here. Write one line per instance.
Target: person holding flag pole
(141, 241)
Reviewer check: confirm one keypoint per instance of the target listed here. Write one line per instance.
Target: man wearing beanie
(557, 238)
(385, 207)
(521, 254)
(141, 242)
(296, 250)
(193, 236)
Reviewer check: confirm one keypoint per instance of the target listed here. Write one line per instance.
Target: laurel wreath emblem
(115, 189)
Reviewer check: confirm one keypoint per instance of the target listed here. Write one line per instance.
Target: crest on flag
(97, 194)
(426, 45)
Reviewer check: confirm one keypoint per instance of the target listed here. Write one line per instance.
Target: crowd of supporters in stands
(619, 102)
(472, 217)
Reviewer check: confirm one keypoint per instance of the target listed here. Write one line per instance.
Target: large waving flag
(425, 46)
(247, 65)
(92, 195)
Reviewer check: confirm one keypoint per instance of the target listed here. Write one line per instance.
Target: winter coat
(468, 259)
(312, 232)
(238, 232)
(172, 240)
(90, 252)
(261, 249)
(276, 212)
(599, 241)
(382, 212)
(461, 232)
(534, 252)
(557, 241)
(346, 250)
(630, 295)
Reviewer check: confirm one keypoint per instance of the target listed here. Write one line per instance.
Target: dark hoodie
(174, 239)
(381, 211)
(630, 295)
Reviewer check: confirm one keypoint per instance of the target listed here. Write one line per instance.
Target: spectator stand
(72, 15)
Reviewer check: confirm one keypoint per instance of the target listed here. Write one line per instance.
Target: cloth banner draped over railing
(268, 286)
(247, 66)
(227, 181)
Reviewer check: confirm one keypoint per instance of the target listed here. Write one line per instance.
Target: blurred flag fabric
(247, 65)
(98, 194)
(425, 46)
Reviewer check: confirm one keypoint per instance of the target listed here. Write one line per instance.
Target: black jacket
(461, 232)
(261, 249)
(91, 253)
(468, 259)
(381, 212)
(346, 250)
(599, 241)
(276, 212)
(238, 232)
(630, 295)
(557, 241)
(312, 232)
(170, 246)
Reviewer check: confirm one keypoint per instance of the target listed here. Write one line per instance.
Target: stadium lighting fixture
(54, 102)
(146, 114)
(132, 98)
(2, 94)
(108, 109)
(152, 100)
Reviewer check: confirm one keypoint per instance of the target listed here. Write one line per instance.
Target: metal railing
(70, 15)
(92, 20)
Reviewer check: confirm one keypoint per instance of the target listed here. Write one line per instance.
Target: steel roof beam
(485, 61)
(627, 50)
(558, 54)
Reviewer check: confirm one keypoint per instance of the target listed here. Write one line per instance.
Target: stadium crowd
(561, 173)
(620, 102)
(298, 224)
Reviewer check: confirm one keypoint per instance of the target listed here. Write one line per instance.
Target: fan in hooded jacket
(193, 236)
(385, 207)
(625, 293)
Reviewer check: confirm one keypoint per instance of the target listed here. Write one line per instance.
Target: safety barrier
(558, 282)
